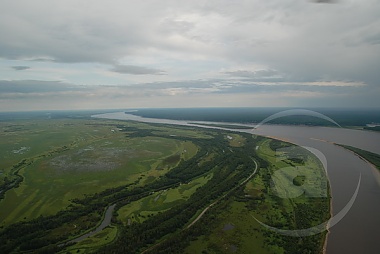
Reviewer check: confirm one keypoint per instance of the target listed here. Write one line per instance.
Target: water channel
(359, 230)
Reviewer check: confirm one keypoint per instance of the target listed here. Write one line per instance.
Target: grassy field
(227, 126)
(61, 160)
(235, 140)
(93, 149)
(140, 210)
(294, 171)
(104, 237)
(236, 231)
(186, 132)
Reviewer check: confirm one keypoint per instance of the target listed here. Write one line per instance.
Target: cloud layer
(136, 70)
(20, 68)
(287, 49)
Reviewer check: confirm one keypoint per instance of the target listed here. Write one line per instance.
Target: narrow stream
(106, 222)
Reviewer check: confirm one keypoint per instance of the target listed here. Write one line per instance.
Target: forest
(169, 229)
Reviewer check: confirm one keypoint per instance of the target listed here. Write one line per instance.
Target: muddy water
(105, 223)
(359, 230)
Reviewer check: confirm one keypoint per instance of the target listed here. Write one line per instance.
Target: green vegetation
(375, 128)
(236, 230)
(371, 157)
(102, 238)
(345, 117)
(176, 189)
(91, 161)
(140, 210)
(235, 140)
(226, 126)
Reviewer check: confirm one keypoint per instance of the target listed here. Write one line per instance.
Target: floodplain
(174, 188)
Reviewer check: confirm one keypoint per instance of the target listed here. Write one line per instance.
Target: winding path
(216, 201)
(209, 206)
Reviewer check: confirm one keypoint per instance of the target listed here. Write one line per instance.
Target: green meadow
(97, 156)
(235, 229)
(234, 232)
(235, 140)
(102, 238)
(140, 210)
(175, 189)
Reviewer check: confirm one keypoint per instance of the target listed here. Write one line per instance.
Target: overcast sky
(231, 53)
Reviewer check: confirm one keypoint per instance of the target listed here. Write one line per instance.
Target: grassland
(98, 156)
(159, 178)
(226, 126)
(235, 229)
(102, 238)
(140, 210)
(234, 232)
(235, 140)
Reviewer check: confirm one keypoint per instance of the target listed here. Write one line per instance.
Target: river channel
(105, 222)
(359, 230)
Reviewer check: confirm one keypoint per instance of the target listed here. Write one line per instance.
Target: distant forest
(344, 117)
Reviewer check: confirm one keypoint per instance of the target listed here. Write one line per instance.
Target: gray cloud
(136, 70)
(35, 86)
(34, 94)
(20, 68)
(324, 1)
(215, 86)
(253, 74)
(372, 39)
(256, 41)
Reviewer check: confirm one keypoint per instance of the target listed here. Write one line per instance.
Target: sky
(77, 54)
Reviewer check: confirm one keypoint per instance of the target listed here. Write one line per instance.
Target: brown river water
(359, 230)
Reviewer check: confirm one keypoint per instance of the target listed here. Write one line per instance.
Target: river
(359, 230)
(105, 222)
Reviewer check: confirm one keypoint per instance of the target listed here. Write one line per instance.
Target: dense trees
(167, 232)
(229, 171)
(40, 233)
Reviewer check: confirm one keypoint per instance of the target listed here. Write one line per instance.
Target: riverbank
(343, 171)
(105, 222)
